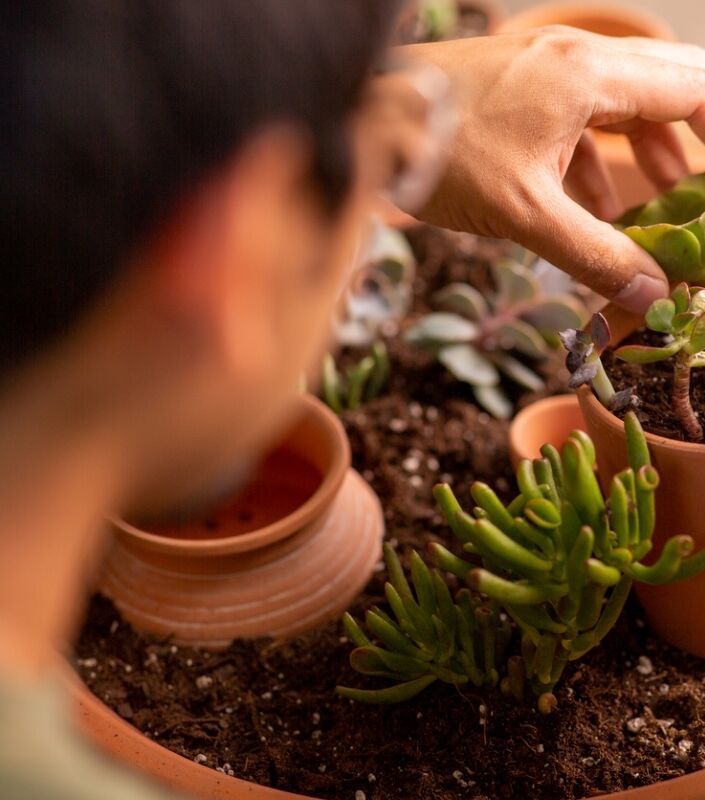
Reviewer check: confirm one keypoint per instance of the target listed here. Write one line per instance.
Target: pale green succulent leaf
(518, 372)
(469, 365)
(522, 336)
(463, 299)
(442, 328)
(556, 313)
(515, 283)
(660, 315)
(494, 400)
(640, 354)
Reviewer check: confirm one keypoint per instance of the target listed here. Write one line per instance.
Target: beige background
(686, 16)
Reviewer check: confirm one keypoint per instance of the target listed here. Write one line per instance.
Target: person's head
(179, 180)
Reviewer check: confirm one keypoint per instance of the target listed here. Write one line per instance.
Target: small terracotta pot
(612, 20)
(289, 552)
(676, 611)
(125, 743)
(547, 421)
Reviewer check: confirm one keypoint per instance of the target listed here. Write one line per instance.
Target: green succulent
(430, 637)
(472, 335)
(672, 229)
(360, 383)
(681, 317)
(560, 559)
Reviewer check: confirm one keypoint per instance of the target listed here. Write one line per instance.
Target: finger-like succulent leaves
(559, 558)
(472, 334)
(672, 229)
(361, 382)
(429, 637)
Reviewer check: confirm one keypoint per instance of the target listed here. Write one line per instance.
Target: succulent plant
(382, 291)
(681, 317)
(583, 361)
(672, 229)
(560, 559)
(360, 383)
(472, 335)
(431, 637)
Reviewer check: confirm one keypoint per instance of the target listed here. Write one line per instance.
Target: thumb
(594, 253)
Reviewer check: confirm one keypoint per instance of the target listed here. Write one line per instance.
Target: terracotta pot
(612, 20)
(125, 743)
(675, 612)
(546, 421)
(289, 552)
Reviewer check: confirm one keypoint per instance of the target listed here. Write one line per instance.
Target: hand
(526, 104)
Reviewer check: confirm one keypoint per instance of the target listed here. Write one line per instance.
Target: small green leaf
(696, 342)
(640, 354)
(469, 365)
(521, 336)
(517, 371)
(442, 328)
(393, 694)
(681, 322)
(660, 315)
(556, 314)
(493, 400)
(463, 299)
(681, 297)
(515, 283)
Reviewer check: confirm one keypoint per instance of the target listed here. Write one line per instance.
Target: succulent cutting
(359, 383)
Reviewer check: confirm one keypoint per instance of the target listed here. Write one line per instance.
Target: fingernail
(641, 293)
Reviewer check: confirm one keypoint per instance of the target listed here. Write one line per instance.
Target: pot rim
(546, 405)
(317, 503)
(652, 25)
(102, 726)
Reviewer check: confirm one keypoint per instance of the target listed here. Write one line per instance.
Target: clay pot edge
(302, 516)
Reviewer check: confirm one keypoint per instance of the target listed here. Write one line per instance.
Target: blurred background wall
(686, 16)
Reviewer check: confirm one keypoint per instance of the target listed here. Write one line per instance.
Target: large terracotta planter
(289, 552)
(125, 743)
(676, 612)
(612, 19)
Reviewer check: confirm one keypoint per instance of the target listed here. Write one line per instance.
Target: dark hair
(113, 109)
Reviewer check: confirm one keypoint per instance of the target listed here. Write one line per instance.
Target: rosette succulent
(474, 336)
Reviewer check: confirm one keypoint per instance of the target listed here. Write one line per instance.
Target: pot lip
(319, 501)
(539, 408)
(595, 408)
(97, 715)
(653, 25)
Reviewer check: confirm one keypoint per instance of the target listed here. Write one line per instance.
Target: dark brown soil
(653, 385)
(629, 713)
